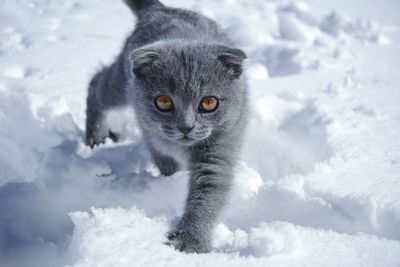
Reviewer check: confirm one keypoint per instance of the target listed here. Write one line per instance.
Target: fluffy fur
(187, 57)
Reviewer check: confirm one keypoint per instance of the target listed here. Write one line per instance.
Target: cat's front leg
(210, 184)
(166, 164)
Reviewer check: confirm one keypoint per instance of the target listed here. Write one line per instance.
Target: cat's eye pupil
(164, 103)
(209, 104)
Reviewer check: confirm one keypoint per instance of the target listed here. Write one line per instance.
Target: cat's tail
(138, 5)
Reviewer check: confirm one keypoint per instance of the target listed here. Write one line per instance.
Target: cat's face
(184, 93)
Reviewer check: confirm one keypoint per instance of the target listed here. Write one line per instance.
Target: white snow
(319, 183)
(119, 237)
(16, 72)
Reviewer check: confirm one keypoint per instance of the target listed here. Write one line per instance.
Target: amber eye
(164, 103)
(209, 104)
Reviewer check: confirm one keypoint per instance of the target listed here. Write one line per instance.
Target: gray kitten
(183, 76)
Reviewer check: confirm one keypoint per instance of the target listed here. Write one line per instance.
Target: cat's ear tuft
(232, 59)
(143, 60)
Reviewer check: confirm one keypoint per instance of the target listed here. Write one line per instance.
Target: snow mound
(289, 38)
(119, 237)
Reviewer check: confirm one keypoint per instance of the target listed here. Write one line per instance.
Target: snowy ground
(319, 184)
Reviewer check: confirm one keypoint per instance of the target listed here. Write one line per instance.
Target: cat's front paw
(186, 242)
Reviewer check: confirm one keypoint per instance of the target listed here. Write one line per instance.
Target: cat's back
(165, 23)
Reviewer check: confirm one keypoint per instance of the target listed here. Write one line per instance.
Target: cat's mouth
(185, 140)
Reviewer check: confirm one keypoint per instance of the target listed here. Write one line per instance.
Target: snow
(16, 72)
(117, 237)
(319, 183)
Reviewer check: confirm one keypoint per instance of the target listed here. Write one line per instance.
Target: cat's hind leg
(103, 94)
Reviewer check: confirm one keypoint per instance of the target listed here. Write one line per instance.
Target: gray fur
(139, 5)
(186, 56)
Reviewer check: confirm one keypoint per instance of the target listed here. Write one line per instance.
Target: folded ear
(232, 59)
(143, 60)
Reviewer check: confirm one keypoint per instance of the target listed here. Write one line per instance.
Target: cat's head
(184, 92)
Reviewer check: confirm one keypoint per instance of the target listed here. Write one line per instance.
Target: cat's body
(184, 79)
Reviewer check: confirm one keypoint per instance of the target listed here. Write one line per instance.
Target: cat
(184, 78)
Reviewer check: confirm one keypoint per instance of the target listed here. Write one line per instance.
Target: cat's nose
(185, 130)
